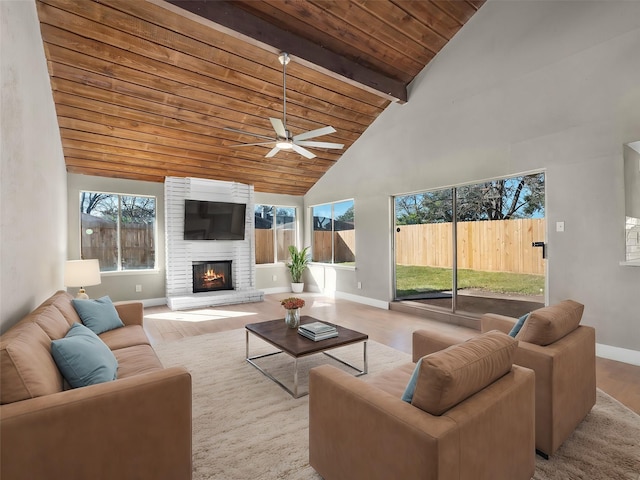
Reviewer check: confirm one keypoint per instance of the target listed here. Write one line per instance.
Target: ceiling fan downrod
(284, 60)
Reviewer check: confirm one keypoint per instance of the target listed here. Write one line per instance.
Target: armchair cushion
(450, 376)
(549, 324)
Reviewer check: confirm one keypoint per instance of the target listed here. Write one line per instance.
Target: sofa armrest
(357, 431)
(131, 313)
(136, 427)
(492, 321)
(425, 342)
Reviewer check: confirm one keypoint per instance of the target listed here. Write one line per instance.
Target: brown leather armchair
(562, 354)
(363, 429)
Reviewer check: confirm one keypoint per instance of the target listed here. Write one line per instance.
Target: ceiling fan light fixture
(284, 145)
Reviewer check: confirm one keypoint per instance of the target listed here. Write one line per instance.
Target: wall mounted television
(213, 220)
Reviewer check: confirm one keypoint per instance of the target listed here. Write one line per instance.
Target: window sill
(117, 273)
(337, 266)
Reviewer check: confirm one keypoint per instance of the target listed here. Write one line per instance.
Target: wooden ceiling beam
(241, 24)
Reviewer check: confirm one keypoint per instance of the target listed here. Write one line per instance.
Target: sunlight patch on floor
(199, 315)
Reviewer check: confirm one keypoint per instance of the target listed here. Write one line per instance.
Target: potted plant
(297, 265)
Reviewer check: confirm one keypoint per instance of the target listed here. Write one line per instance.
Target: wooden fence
(344, 244)
(264, 244)
(137, 243)
(492, 245)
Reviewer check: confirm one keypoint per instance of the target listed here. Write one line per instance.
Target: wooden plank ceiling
(145, 89)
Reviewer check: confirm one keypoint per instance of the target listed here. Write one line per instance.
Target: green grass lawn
(412, 280)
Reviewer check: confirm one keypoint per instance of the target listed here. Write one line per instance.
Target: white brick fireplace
(182, 253)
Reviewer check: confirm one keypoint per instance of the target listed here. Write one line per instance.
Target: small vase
(292, 317)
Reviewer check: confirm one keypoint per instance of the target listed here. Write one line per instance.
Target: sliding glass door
(424, 253)
(481, 246)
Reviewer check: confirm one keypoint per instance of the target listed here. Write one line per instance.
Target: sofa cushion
(137, 360)
(393, 381)
(51, 321)
(98, 314)
(27, 369)
(549, 324)
(452, 375)
(62, 301)
(83, 358)
(123, 337)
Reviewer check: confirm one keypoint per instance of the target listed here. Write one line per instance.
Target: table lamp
(82, 273)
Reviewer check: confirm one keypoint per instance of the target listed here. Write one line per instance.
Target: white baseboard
(153, 302)
(618, 354)
(269, 291)
(372, 302)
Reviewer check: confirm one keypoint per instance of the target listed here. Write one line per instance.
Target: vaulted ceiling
(145, 89)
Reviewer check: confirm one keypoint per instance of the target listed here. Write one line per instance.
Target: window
(273, 237)
(118, 230)
(334, 239)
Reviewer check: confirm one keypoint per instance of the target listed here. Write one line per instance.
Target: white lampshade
(82, 273)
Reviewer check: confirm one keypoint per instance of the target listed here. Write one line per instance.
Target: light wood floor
(392, 328)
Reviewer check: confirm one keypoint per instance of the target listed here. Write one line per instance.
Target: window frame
(332, 205)
(274, 230)
(119, 270)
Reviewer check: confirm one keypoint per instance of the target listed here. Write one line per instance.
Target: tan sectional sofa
(135, 427)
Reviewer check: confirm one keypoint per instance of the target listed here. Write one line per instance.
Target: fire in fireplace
(210, 276)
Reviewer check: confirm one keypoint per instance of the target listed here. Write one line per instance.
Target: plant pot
(297, 287)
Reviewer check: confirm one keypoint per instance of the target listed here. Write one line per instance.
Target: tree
(347, 216)
(130, 209)
(90, 201)
(504, 199)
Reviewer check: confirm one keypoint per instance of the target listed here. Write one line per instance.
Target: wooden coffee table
(288, 340)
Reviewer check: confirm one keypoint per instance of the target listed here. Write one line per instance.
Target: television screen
(213, 220)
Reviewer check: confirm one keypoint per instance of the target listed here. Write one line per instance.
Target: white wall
(524, 86)
(33, 220)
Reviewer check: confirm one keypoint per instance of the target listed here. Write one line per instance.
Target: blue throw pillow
(518, 325)
(84, 359)
(99, 315)
(407, 396)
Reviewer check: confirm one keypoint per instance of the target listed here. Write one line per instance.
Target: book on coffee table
(318, 337)
(317, 331)
(318, 328)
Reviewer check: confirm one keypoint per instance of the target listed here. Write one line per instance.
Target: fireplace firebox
(210, 276)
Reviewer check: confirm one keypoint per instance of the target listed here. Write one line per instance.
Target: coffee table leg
(295, 378)
(246, 343)
(366, 367)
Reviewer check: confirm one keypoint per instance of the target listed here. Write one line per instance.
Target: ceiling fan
(284, 140)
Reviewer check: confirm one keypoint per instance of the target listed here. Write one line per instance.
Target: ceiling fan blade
(278, 126)
(272, 152)
(315, 133)
(229, 129)
(252, 144)
(302, 151)
(319, 144)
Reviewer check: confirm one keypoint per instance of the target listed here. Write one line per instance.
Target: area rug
(247, 427)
